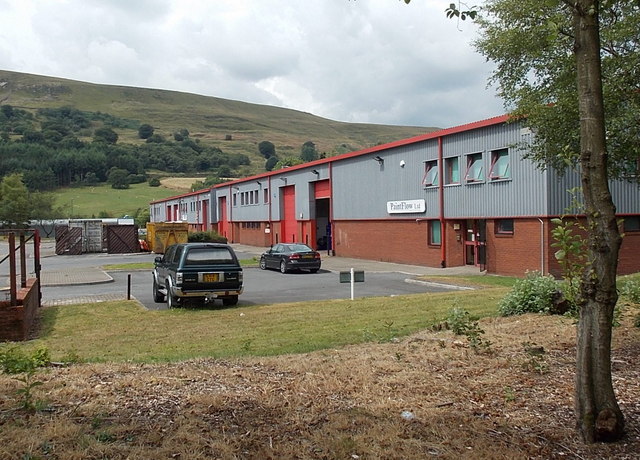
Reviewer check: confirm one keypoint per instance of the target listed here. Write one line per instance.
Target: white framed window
(500, 165)
(452, 170)
(435, 233)
(430, 178)
(475, 168)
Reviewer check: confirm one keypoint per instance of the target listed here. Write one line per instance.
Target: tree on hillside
(181, 134)
(18, 206)
(156, 139)
(570, 67)
(145, 131)
(287, 162)
(118, 178)
(308, 152)
(267, 149)
(106, 135)
(271, 163)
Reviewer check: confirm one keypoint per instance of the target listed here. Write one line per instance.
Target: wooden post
(23, 261)
(12, 269)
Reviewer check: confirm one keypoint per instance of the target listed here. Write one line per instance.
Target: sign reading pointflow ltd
(406, 206)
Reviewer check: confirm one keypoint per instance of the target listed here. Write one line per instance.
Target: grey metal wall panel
(626, 196)
(362, 187)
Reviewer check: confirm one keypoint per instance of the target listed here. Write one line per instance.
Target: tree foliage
(118, 178)
(106, 135)
(308, 152)
(18, 206)
(46, 148)
(267, 149)
(145, 131)
(570, 70)
(532, 44)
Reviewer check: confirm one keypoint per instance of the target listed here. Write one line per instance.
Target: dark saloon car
(290, 256)
(196, 272)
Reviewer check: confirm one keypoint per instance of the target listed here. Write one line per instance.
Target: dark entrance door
(475, 239)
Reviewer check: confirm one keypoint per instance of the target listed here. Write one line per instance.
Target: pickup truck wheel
(158, 296)
(230, 301)
(283, 266)
(172, 301)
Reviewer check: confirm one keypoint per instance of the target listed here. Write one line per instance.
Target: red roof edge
(411, 140)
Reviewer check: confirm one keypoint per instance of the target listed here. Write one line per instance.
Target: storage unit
(466, 195)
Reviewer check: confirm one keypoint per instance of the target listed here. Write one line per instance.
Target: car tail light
(294, 256)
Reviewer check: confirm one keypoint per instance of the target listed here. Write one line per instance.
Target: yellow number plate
(210, 277)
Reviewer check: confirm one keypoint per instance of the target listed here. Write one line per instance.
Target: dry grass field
(179, 183)
(425, 396)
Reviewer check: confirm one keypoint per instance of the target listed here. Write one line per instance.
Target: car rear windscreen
(209, 256)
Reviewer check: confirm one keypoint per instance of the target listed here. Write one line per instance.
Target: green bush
(206, 237)
(155, 182)
(630, 289)
(532, 294)
(460, 322)
(15, 361)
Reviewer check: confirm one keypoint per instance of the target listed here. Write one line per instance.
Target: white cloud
(375, 61)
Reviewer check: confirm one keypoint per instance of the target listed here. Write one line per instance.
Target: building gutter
(443, 239)
(230, 214)
(270, 215)
(331, 248)
(541, 245)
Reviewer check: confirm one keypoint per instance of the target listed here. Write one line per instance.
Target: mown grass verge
(124, 331)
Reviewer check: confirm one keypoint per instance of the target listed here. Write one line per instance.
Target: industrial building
(459, 196)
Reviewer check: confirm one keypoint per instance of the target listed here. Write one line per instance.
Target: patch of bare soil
(425, 396)
(180, 183)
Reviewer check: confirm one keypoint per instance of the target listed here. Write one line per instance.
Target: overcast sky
(368, 61)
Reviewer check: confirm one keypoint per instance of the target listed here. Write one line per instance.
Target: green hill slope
(232, 126)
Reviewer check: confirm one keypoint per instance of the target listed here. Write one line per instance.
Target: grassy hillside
(90, 202)
(233, 126)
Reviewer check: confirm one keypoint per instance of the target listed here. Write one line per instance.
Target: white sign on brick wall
(406, 206)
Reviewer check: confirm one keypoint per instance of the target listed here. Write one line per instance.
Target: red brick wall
(16, 322)
(454, 234)
(629, 259)
(405, 241)
(388, 241)
(516, 254)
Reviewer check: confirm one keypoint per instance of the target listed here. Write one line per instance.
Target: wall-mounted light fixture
(259, 183)
(316, 172)
(235, 187)
(402, 163)
(283, 179)
(379, 159)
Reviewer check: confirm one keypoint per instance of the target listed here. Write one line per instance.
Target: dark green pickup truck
(197, 272)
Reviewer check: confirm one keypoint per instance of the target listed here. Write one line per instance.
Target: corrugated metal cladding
(369, 184)
(522, 194)
(363, 183)
(625, 194)
(362, 186)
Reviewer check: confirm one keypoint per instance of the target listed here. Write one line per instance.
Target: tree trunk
(599, 417)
